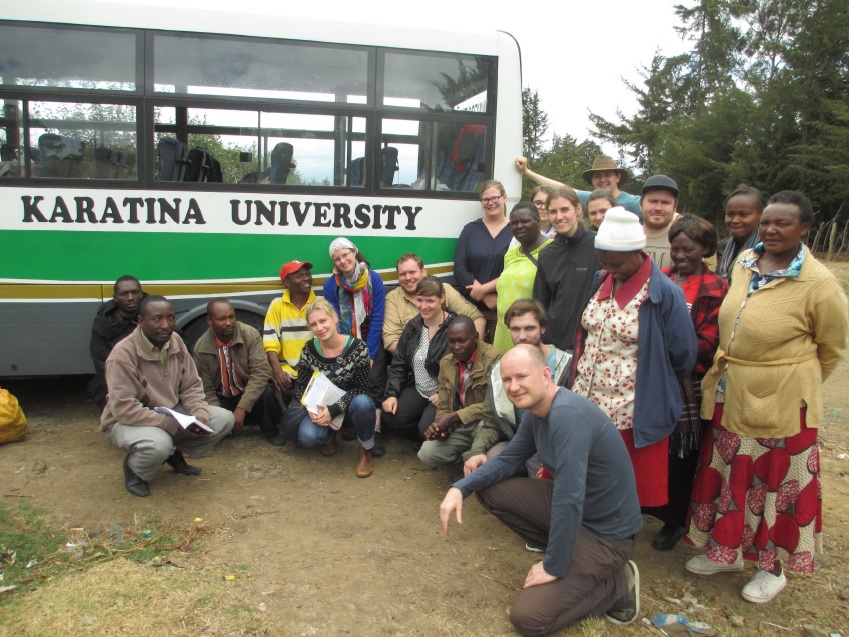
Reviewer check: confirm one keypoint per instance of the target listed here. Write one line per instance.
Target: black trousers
(413, 415)
(266, 411)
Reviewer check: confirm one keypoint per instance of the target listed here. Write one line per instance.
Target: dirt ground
(321, 552)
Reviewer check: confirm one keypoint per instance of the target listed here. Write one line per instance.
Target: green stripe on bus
(104, 256)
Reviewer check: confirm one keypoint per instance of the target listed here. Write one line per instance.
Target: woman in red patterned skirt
(691, 240)
(782, 331)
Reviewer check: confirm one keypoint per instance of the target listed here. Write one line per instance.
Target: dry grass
(121, 597)
(841, 271)
(153, 582)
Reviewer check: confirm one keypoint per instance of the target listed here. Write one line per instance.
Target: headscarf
(354, 295)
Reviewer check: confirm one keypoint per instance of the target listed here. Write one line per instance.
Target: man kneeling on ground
(587, 517)
(235, 371)
(148, 369)
(463, 376)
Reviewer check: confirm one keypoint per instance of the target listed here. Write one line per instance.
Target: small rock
(809, 630)
(736, 621)
(116, 533)
(262, 607)
(87, 620)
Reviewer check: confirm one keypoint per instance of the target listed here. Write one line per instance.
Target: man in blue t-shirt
(587, 516)
(604, 175)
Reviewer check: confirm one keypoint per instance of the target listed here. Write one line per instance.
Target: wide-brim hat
(604, 162)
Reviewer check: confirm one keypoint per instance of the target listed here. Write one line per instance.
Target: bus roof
(275, 25)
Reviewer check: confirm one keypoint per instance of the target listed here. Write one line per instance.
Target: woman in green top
(520, 266)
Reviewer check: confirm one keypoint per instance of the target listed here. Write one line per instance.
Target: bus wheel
(194, 330)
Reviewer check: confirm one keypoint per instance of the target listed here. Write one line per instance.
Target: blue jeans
(360, 416)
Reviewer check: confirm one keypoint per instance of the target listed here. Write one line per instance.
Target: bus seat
(281, 163)
(203, 167)
(462, 169)
(173, 160)
(109, 163)
(357, 174)
(61, 156)
(10, 165)
(388, 166)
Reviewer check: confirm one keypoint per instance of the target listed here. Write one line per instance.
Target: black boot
(178, 463)
(134, 484)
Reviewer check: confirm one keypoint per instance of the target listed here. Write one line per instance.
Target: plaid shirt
(705, 315)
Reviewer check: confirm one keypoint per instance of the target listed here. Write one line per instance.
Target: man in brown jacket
(235, 371)
(463, 376)
(152, 368)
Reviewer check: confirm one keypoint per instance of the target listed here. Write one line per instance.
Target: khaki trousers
(149, 447)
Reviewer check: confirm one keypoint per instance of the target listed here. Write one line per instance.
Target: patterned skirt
(759, 498)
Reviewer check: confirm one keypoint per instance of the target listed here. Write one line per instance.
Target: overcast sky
(574, 54)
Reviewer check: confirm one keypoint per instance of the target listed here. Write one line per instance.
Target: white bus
(304, 131)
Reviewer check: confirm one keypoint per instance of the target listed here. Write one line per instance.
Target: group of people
(578, 378)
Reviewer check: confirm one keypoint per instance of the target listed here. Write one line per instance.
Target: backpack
(172, 159)
(203, 167)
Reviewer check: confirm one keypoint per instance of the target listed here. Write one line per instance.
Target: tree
(761, 98)
(534, 125)
(567, 159)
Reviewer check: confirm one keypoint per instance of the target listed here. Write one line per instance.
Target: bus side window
(61, 156)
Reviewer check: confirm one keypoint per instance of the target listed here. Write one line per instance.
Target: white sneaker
(764, 587)
(701, 565)
(631, 610)
(533, 549)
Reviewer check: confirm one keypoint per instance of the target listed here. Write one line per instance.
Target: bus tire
(194, 330)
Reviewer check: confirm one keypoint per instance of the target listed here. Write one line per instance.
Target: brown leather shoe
(329, 447)
(364, 466)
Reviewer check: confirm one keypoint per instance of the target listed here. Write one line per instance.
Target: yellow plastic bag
(13, 423)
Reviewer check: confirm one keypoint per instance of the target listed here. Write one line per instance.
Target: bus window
(193, 65)
(437, 82)
(323, 146)
(267, 147)
(67, 58)
(441, 156)
(11, 139)
(83, 140)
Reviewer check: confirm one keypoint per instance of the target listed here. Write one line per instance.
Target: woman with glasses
(479, 257)
(539, 197)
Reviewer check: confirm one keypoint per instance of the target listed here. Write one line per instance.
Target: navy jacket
(666, 353)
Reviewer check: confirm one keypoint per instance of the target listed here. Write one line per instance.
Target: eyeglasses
(539, 203)
(487, 200)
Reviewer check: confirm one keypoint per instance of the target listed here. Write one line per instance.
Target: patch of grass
(84, 584)
(840, 269)
(25, 538)
(122, 597)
